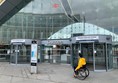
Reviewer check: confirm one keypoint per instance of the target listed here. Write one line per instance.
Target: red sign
(55, 5)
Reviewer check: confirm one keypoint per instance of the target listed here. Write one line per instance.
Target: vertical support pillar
(80, 48)
(72, 55)
(106, 57)
(93, 57)
(16, 55)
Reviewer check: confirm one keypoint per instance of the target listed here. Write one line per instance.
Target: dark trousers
(74, 70)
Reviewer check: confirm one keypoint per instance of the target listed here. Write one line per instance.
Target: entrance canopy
(95, 38)
(96, 49)
(10, 7)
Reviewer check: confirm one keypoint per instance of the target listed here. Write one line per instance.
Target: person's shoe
(75, 75)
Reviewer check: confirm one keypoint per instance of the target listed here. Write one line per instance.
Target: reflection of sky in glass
(103, 13)
(43, 7)
(78, 28)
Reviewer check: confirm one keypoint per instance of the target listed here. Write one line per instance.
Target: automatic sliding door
(87, 52)
(18, 53)
(23, 55)
(95, 55)
(100, 57)
(14, 54)
(47, 54)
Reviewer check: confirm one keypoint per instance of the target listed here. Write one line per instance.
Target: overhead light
(2, 1)
(54, 46)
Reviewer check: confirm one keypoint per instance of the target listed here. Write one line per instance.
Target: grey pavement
(51, 73)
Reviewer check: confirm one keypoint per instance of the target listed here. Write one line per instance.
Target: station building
(55, 24)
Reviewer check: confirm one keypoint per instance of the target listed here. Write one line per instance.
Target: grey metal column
(11, 53)
(80, 48)
(71, 55)
(93, 57)
(41, 54)
(104, 52)
(16, 50)
(106, 57)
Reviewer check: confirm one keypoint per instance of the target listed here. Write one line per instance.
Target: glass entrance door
(20, 53)
(52, 54)
(55, 54)
(100, 57)
(47, 54)
(15, 52)
(87, 52)
(95, 55)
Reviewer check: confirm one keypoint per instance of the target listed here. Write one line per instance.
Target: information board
(34, 53)
(34, 57)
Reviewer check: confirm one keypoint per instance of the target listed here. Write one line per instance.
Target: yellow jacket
(81, 62)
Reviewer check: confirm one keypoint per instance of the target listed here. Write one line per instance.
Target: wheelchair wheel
(81, 74)
(87, 72)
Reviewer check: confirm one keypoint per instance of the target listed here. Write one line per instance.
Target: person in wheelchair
(81, 63)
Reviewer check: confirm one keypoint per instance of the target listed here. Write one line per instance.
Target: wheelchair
(82, 73)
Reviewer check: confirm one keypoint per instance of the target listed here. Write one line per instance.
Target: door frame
(90, 42)
(94, 58)
(15, 52)
(105, 58)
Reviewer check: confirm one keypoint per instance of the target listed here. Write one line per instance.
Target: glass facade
(85, 28)
(28, 26)
(41, 19)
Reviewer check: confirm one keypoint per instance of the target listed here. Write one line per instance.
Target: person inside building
(49, 55)
(75, 63)
(81, 63)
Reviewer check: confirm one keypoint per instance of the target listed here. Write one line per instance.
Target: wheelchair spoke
(83, 73)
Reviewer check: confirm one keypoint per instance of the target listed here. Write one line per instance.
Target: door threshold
(13, 64)
(99, 70)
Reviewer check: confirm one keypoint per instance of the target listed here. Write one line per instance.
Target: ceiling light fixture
(2, 1)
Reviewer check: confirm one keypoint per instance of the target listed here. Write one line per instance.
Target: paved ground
(51, 73)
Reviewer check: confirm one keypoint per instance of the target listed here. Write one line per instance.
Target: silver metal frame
(16, 53)
(96, 70)
(94, 61)
(106, 58)
(93, 58)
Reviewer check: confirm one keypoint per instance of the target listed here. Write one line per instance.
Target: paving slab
(51, 73)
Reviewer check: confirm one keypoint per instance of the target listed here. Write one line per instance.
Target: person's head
(80, 55)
